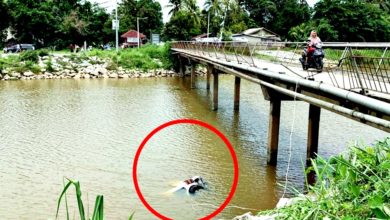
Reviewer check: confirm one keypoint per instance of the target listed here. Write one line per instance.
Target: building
(130, 38)
(256, 35)
(204, 38)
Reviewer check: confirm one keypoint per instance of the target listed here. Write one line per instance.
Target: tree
(261, 11)
(129, 10)
(5, 20)
(33, 21)
(57, 22)
(290, 13)
(354, 20)
(182, 26)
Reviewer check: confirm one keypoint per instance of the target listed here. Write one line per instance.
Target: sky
(110, 5)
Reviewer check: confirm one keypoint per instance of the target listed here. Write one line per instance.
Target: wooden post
(208, 74)
(273, 131)
(313, 132)
(193, 75)
(237, 83)
(215, 91)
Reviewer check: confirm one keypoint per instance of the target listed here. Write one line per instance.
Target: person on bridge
(313, 40)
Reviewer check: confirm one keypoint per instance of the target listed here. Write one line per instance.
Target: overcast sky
(110, 5)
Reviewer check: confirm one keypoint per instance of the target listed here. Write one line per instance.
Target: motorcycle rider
(313, 40)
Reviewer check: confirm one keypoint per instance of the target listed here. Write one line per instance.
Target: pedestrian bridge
(355, 81)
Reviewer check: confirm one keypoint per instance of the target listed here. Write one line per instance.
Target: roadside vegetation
(148, 57)
(354, 186)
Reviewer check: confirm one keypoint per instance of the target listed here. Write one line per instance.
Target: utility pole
(138, 31)
(138, 18)
(116, 25)
(208, 25)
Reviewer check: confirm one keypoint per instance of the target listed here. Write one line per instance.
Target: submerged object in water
(190, 185)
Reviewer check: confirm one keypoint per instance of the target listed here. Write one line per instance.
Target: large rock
(113, 75)
(102, 71)
(28, 74)
(15, 75)
(124, 76)
(77, 76)
(6, 77)
(85, 64)
(71, 74)
(94, 73)
(87, 76)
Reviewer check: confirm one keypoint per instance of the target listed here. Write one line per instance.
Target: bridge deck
(288, 63)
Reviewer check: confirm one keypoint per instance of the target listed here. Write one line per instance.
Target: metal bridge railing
(358, 67)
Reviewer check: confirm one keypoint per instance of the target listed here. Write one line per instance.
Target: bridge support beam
(181, 67)
(237, 83)
(208, 75)
(215, 91)
(273, 131)
(193, 67)
(313, 132)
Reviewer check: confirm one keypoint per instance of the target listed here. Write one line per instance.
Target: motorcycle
(315, 60)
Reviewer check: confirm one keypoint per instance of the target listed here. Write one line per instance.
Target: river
(89, 130)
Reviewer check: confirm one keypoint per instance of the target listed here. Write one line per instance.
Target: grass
(146, 58)
(98, 210)
(22, 62)
(355, 186)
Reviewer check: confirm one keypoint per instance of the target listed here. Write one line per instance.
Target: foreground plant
(98, 211)
(356, 186)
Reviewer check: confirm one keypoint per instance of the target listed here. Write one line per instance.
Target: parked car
(107, 47)
(18, 48)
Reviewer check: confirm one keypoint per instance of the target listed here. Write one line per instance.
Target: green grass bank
(351, 186)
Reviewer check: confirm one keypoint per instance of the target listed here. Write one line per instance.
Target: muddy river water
(89, 130)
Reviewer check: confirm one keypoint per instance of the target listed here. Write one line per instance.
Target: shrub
(35, 69)
(355, 186)
(29, 55)
(49, 66)
(43, 52)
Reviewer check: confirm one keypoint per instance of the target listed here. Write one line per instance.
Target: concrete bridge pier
(208, 75)
(237, 84)
(215, 90)
(273, 131)
(313, 133)
(181, 67)
(193, 67)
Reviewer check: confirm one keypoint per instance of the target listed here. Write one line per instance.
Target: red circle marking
(195, 122)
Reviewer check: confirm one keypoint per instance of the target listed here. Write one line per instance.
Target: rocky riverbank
(72, 66)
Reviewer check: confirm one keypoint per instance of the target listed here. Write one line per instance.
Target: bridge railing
(353, 66)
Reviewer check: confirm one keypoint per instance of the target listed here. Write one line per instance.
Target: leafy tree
(5, 19)
(129, 10)
(178, 5)
(57, 22)
(33, 21)
(354, 20)
(261, 11)
(183, 25)
(290, 13)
